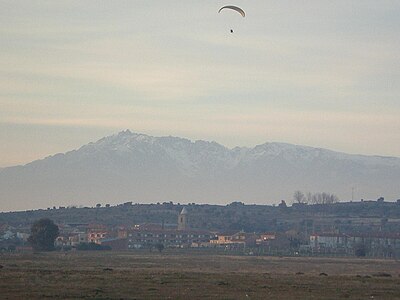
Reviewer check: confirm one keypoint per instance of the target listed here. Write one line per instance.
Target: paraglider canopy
(238, 9)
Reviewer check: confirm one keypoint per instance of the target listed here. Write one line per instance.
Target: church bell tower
(183, 220)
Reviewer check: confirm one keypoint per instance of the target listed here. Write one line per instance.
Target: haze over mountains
(141, 168)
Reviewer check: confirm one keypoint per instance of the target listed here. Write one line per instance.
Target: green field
(193, 275)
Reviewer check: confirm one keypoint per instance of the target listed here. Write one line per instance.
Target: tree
(12, 248)
(298, 197)
(360, 250)
(322, 198)
(43, 234)
(160, 247)
(309, 198)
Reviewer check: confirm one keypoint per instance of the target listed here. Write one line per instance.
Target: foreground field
(175, 275)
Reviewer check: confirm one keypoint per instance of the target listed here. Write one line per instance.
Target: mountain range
(141, 168)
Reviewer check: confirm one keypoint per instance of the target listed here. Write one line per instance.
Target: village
(308, 238)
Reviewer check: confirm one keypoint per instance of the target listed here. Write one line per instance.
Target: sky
(318, 72)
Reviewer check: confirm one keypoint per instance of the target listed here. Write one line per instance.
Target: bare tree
(322, 198)
(333, 198)
(314, 199)
(298, 197)
(309, 197)
(325, 198)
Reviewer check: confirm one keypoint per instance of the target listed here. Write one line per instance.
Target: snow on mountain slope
(136, 167)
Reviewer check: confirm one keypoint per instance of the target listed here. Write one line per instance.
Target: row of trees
(314, 198)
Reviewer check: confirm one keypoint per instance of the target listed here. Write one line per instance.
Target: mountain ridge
(133, 166)
(127, 132)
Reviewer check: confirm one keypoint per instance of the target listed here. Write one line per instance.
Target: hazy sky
(314, 72)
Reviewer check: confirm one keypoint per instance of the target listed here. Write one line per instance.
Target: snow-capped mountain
(141, 168)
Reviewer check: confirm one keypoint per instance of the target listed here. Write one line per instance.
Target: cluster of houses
(377, 244)
(150, 235)
(12, 238)
(183, 236)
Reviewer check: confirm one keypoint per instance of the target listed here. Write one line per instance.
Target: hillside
(351, 216)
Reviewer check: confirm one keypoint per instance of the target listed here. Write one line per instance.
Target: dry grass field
(185, 275)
